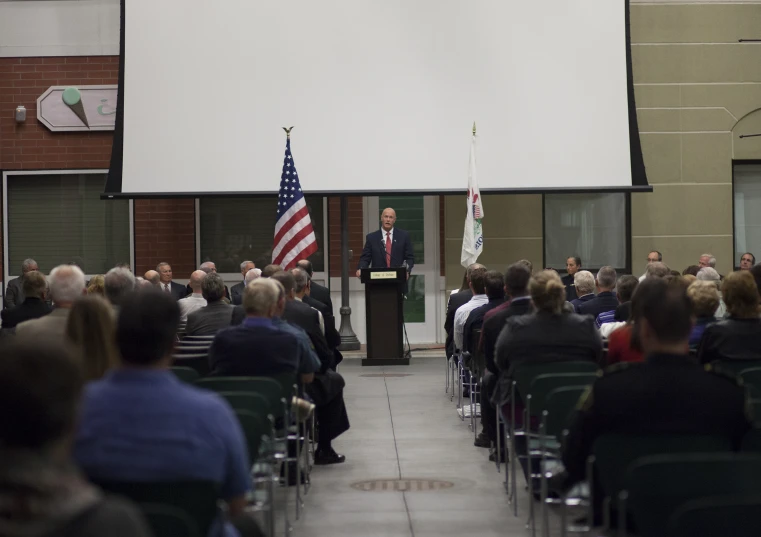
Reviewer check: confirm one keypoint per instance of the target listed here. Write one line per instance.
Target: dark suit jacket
(605, 301)
(623, 312)
(14, 294)
(253, 351)
(178, 291)
(576, 302)
(475, 321)
(306, 318)
(209, 320)
(236, 293)
(731, 339)
(32, 308)
(322, 293)
(493, 327)
(455, 301)
(374, 252)
(332, 337)
(570, 288)
(189, 291)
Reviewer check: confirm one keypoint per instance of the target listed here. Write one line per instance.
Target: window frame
(735, 164)
(7, 275)
(627, 235)
(322, 276)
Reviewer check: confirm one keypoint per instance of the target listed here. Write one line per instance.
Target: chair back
(169, 521)
(199, 362)
(185, 374)
(254, 428)
(658, 485)
(248, 401)
(559, 407)
(287, 382)
(478, 359)
(543, 384)
(268, 387)
(717, 516)
(196, 500)
(182, 349)
(525, 373)
(209, 338)
(614, 453)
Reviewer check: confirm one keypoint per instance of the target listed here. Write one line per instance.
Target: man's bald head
(152, 276)
(388, 218)
(196, 279)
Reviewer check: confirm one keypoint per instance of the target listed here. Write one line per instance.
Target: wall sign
(82, 108)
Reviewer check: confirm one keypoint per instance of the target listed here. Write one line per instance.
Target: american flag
(294, 235)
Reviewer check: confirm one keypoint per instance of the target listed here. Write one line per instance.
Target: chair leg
(446, 375)
(498, 456)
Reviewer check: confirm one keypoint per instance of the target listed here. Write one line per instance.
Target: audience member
(494, 285)
(755, 270)
(91, 331)
(605, 300)
(652, 257)
(119, 282)
(97, 285)
(141, 423)
(67, 284)
(737, 337)
(584, 285)
(271, 269)
(195, 300)
(689, 278)
(302, 291)
(705, 301)
(479, 298)
(707, 260)
(14, 292)
(572, 266)
(709, 274)
(669, 393)
(316, 291)
(691, 270)
(455, 301)
(213, 317)
(165, 281)
(41, 491)
(747, 260)
(208, 267)
(236, 291)
(153, 277)
(625, 288)
(34, 306)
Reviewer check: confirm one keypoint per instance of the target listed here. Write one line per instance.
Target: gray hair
(252, 274)
(584, 282)
(27, 265)
(162, 264)
(708, 274)
(711, 260)
(118, 283)
(244, 263)
(213, 287)
(302, 279)
(606, 277)
(207, 266)
(657, 270)
(67, 283)
(262, 295)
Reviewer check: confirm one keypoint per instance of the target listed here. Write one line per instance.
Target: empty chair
(717, 516)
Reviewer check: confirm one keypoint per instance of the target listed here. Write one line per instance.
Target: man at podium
(387, 247)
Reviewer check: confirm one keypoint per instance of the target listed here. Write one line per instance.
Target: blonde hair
(689, 278)
(91, 329)
(97, 285)
(705, 297)
(740, 294)
(547, 292)
(261, 295)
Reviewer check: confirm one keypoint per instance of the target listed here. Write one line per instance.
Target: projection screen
(383, 95)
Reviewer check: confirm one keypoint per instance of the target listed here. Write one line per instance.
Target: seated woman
(739, 336)
(705, 301)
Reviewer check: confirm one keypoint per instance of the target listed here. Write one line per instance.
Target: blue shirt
(146, 425)
(309, 362)
(605, 317)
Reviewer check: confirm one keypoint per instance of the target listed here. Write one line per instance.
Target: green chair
(169, 521)
(612, 455)
(736, 367)
(199, 362)
(251, 402)
(185, 374)
(752, 440)
(254, 428)
(656, 486)
(196, 500)
(717, 516)
(752, 379)
(267, 387)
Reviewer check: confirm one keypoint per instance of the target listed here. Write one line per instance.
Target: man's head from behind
(118, 283)
(34, 285)
(288, 282)
(657, 270)
(494, 284)
(196, 279)
(625, 287)
(306, 265)
(147, 327)
(213, 287)
(271, 269)
(152, 277)
(42, 385)
(584, 282)
(264, 297)
(252, 274)
(663, 316)
(477, 279)
(67, 283)
(301, 282)
(517, 277)
(606, 279)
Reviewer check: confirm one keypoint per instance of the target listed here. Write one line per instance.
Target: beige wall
(697, 89)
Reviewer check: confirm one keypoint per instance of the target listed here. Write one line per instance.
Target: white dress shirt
(189, 304)
(461, 316)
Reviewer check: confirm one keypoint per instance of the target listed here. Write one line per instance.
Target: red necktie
(388, 249)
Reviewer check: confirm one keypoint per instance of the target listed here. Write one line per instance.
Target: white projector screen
(382, 93)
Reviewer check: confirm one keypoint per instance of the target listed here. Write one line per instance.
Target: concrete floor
(407, 427)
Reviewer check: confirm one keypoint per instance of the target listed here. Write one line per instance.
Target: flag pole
(349, 340)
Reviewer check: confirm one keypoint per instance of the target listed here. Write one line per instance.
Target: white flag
(473, 237)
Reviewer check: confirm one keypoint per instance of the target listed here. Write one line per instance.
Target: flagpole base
(349, 341)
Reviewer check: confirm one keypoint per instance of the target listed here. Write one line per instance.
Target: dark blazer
(665, 394)
(14, 294)
(605, 301)
(570, 288)
(209, 319)
(455, 301)
(374, 252)
(576, 302)
(730, 340)
(623, 312)
(493, 327)
(178, 291)
(253, 351)
(475, 321)
(32, 308)
(189, 291)
(332, 337)
(236, 293)
(321, 293)
(306, 318)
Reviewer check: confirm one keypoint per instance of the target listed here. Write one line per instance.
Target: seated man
(215, 315)
(668, 393)
(35, 289)
(624, 290)
(477, 284)
(495, 291)
(236, 291)
(456, 300)
(195, 300)
(140, 423)
(605, 299)
(584, 283)
(41, 492)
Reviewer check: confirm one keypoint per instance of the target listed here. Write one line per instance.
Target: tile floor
(407, 427)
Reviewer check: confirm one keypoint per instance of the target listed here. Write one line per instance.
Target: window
(233, 230)
(58, 218)
(594, 227)
(747, 192)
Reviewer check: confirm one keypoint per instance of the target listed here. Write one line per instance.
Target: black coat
(253, 352)
(236, 293)
(605, 301)
(731, 339)
(455, 301)
(306, 318)
(322, 294)
(570, 288)
(31, 308)
(494, 325)
(209, 320)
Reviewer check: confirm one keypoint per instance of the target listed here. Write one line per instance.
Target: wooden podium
(384, 300)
